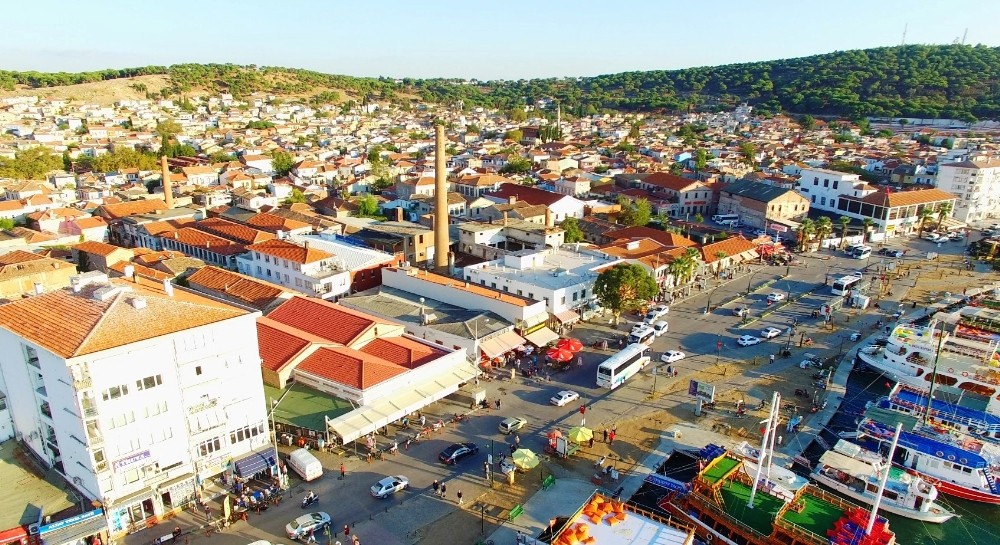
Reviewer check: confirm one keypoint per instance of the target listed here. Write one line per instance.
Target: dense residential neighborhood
(285, 273)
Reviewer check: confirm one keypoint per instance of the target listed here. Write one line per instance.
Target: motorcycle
(309, 500)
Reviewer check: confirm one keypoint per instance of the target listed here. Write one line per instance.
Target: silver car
(389, 486)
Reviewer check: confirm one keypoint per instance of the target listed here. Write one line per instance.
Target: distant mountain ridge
(924, 81)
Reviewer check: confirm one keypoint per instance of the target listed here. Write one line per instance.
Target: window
(258, 269)
(836, 183)
(815, 181)
(822, 201)
(100, 463)
(286, 278)
(814, 199)
(583, 293)
(131, 476)
(285, 263)
(575, 296)
(208, 447)
(197, 370)
(562, 300)
(298, 282)
(115, 392)
(148, 382)
(826, 182)
(267, 258)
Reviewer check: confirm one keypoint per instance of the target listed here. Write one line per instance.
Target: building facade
(759, 204)
(976, 183)
(823, 188)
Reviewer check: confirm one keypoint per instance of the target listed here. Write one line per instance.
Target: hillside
(924, 81)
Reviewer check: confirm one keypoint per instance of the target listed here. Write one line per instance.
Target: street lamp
(708, 305)
(750, 280)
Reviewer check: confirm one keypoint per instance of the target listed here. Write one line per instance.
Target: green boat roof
(719, 469)
(735, 496)
(816, 516)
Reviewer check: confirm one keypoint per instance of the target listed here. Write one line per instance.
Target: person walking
(437, 487)
(611, 437)
(605, 435)
(460, 501)
(343, 471)
(498, 403)
(444, 491)
(591, 441)
(771, 357)
(347, 530)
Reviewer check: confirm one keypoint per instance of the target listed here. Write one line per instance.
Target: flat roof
(633, 529)
(560, 269)
(305, 407)
(29, 491)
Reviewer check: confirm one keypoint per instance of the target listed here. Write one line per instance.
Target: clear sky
(470, 38)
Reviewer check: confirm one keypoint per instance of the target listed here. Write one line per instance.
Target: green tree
(119, 159)
(167, 130)
(925, 217)
(823, 227)
(700, 160)
(867, 222)
(719, 256)
(805, 232)
(865, 126)
(296, 196)
(518, 115)
(367, 207)
(6, 224)
(943, 211)
(282, 162)
(844, 221)
(572, 231)
(514, 134)
(698, 218)
(637, 212)
(516, 165)
(625, 286)
(30, 164)
(807, 122)
(684, 266)
(749, 153)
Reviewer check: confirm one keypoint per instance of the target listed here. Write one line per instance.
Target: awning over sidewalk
(255, 462)
(542, 337)
(74, 529)
(365, 420)
(567, 317)
(952, 223)
(501, 344)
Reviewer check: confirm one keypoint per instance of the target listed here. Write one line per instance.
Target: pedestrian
(343, 471)
(771, 357)
(498, 403)
(780, 439)
(591, 441)
(517, 441)
(460, 497)
(423, 421)
(436, 486)
(611, 436)
(513, 447)
(312, 537)
(444, 491)
(605, 435)
(347, 530)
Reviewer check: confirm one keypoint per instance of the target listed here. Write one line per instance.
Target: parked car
(858, 274)
(671, 356)
(855, 336)
(310, 522)
(655, 313)
(659, 328)
(747, 340)
(512, 424)
(638, 328)
(776, 297)
(454, 454)
(741, 311)
(890, 252)
(955, 237)
(389, 486)
(564, 397)
(770, 333)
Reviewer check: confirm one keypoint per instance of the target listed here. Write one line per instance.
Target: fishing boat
(947, 409)
(779, 476)
(917, 355)
(958, 466)
(856, 473)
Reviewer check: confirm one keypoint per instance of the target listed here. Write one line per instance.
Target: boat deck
(719, 469)
(817, 515)
(735, 496)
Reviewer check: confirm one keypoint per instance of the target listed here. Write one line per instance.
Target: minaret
(168, 192)
(440, 202)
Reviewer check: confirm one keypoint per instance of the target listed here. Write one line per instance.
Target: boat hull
(959, 491)
(934, 515)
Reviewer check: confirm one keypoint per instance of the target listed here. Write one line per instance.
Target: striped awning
(501, 344)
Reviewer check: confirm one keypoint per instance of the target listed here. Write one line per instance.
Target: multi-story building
(758, 203)
(362, 263)
(976, 183)
(897, 213)
(298, 266)
(136, 395)
(687, 197)
(823, 188)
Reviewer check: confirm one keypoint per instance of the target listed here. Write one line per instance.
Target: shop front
(90, 528)
(259, 464)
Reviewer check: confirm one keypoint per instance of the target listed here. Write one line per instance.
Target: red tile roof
(401, 351)
(289, 250)
(323, 319)
(270, 222)
(276, 345)
(669, 181)
(98, 248)
(731, 246)
(130, 208)
(211, 243)
(529, 195)
(663, 237)
(256, 293)
(350, 367)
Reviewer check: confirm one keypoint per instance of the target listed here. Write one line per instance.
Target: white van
(305, 464)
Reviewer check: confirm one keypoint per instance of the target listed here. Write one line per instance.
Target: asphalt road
(691, 330)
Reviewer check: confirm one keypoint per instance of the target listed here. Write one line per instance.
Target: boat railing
(707, 504)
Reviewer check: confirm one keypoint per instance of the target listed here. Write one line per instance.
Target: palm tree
(868, 225)
(698, 218)
(719, 256)
(926, 216)
(691, 257)
(823, 228)
(805, 231)
(943, 210)
(844, 221)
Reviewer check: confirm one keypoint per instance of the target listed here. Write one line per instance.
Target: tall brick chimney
(440, 201)
(168, 191)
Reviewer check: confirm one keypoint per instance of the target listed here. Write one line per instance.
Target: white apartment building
(824, 187)
(562, 278)
(309, 270)
(135, 395)
(976, 183)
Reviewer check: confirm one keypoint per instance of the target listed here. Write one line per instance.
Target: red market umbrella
(558, 354)
(572, 345)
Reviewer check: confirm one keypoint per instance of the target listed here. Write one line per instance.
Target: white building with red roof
(368, 361)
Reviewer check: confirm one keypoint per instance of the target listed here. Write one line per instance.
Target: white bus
(726, 218)
(644, 336)
(843, 286)
(619, 367)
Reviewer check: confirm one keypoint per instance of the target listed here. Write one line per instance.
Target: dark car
(891, 252)
(453, 454)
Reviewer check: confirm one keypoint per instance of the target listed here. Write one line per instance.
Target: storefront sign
(129, 460)
(70, 521)
(778, 228)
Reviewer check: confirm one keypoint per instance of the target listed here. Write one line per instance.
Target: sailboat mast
(884, 479)
(774, 435)
(937, 356)
(772, 419)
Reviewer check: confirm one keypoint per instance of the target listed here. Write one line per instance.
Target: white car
(655, 313)
(564, 397)
(659, 328)
(389, 486)
(312, 522)
(775, 297)
(748, 340)
(857, 274)
(638, 328)
(770, 333)
(933, 237)
(671, 356)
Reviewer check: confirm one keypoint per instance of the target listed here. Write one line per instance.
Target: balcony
(45, 410)
(82, 384)
(33, 361)
(207, 404)
(41, 391)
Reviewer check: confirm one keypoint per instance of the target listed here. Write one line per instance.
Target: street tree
(625, 286)
(282, 162)
(823, 228)
(296, 196)
(867, 222)
(367, 207)
(925, 218)
(805, 231)
(943, 211)
(30, 163)
(700, 160)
